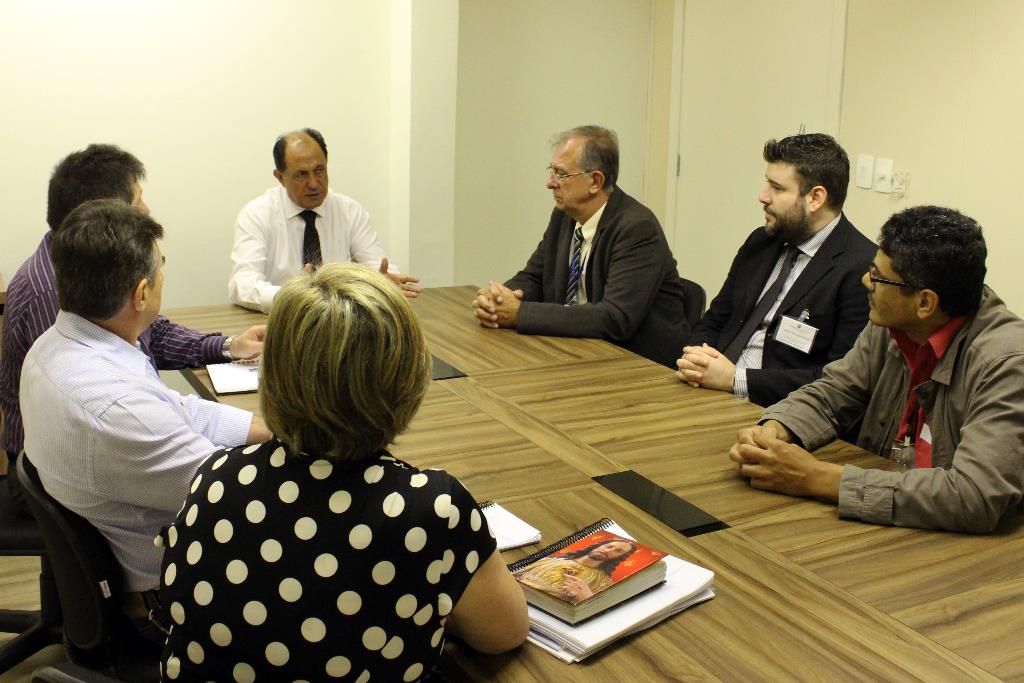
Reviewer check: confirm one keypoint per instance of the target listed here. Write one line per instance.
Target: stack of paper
(685, 584)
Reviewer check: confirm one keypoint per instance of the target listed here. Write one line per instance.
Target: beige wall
(453, 175)
(935, 86)
(745, 79)
(528, 69)
(197, 90)
(435, 48)
(424, 56)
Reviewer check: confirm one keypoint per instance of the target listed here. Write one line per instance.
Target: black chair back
(694, 302)
(97, 634)
(88, 576)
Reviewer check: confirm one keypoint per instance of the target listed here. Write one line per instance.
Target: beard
(792, 227)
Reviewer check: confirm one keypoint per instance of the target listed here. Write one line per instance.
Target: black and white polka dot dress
(282, 568)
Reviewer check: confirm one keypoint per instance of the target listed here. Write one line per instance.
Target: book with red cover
(578, 577)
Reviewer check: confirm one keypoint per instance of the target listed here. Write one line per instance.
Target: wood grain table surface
(801, 594)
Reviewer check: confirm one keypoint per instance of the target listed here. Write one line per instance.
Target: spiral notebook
(592, 575)
(603, 524)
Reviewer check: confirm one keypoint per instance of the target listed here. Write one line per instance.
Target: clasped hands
(764, 454)
(497, 306)
(705, 366)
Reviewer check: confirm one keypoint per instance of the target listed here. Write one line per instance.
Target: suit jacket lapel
(747, 291)
(610, 211)
(758, 279)
(819, 267)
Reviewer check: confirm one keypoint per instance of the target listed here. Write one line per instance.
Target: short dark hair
(600, 151)
(96, 172)
(103, 249)
(819, 160)
(282, 140)
(940, 249)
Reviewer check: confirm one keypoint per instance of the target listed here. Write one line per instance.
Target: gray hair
(600, 151)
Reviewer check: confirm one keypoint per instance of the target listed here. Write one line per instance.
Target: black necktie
(739, 342)
(311, 240)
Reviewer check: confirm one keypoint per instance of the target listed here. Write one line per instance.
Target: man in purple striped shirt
(97, 172)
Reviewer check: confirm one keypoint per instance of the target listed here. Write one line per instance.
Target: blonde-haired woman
(318, 555)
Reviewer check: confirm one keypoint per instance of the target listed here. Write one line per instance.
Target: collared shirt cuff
(223, 425)
(739, 383)
(266, 296)
(860, 498)
(233, 427)
(210, 347)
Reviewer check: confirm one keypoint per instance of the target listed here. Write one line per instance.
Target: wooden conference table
(801, 595)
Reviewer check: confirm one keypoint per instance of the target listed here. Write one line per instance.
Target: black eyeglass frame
(885, 281)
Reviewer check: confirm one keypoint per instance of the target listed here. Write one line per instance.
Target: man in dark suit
(603, 268)
(792, 301)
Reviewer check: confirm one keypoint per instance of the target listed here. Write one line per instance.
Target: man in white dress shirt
(110, 440)
(301, 224)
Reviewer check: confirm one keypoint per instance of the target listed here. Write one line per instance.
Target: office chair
(20, 537)
(97, 634)
(694, 301)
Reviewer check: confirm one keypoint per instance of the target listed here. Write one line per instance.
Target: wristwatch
(225, 349)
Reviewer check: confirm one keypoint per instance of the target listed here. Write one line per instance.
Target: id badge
(795, 333)
(903, 453)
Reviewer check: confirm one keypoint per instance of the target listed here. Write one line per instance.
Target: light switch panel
(899, 181)
(883, 175)
(865, 170)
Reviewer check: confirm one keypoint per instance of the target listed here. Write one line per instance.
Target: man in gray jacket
(936, 380)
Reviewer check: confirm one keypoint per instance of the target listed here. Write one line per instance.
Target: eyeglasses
(562, 177)
(895, 283)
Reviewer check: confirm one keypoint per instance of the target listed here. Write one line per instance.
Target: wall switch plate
(883, 175)
(899, 181)
(865, 170)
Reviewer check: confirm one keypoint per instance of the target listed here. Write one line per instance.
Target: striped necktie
(575, 267)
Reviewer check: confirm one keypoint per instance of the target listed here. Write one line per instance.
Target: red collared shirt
(922, 359)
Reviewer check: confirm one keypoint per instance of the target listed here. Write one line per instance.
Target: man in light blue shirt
(110, 440)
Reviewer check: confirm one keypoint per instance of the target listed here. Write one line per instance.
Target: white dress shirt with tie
(268, 243)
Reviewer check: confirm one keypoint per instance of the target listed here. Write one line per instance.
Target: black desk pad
(667, 507)
(441, 370)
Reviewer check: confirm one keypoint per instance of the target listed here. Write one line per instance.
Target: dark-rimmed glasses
(873, 277)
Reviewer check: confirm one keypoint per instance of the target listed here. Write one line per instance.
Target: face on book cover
(609, 551)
